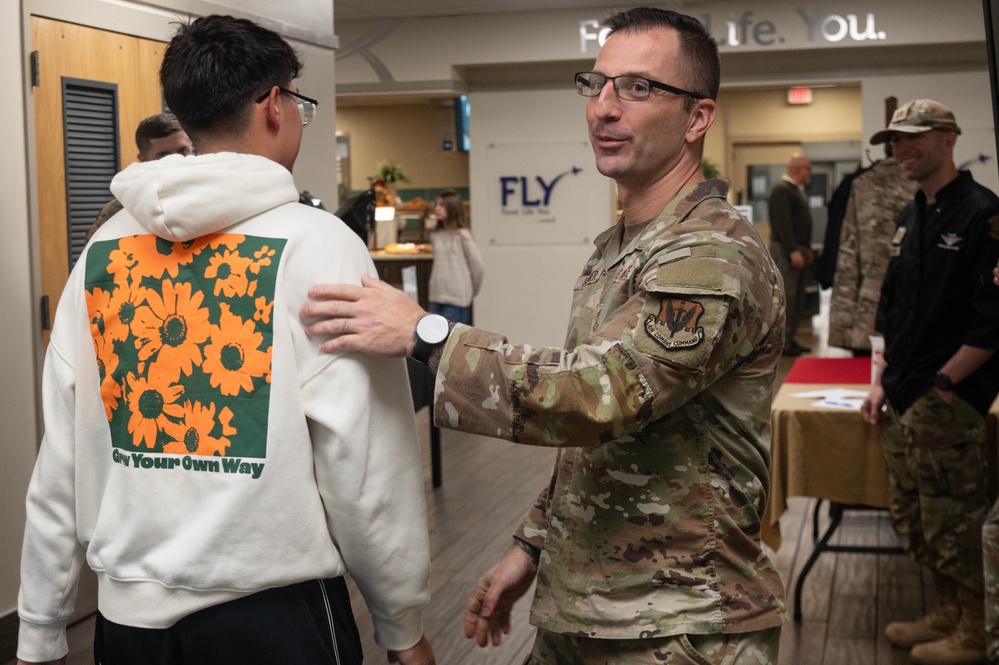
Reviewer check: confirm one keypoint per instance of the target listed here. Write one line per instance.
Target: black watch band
(528, 549)
(942, 382)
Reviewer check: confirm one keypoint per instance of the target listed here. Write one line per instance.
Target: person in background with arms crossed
(456, 275)
(790, 242)
(157, 136)
(939, 314)
(215, 468)
(646, 544)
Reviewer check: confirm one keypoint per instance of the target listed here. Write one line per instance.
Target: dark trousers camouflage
(755, 648)
(935, 455)
(990, 557)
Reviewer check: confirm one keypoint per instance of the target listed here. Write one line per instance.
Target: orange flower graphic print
(233, 358)
(183, 338)
(170, 328)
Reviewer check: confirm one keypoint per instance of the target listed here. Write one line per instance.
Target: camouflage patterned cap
(916, 117)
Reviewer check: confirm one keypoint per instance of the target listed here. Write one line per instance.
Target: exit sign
(799, 96)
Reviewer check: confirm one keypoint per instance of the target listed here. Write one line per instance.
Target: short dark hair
(157, 126)
(698, 64)
(215, 66)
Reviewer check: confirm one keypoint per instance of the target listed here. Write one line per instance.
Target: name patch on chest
(676, 324)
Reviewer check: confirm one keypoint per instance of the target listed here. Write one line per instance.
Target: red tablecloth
(830, 370)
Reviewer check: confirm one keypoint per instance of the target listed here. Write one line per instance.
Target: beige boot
(937, 624)
(966, 645)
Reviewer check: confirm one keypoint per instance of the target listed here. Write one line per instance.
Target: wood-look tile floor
(489, 484)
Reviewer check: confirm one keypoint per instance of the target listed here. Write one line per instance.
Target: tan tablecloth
(832, 454)
(826, 453)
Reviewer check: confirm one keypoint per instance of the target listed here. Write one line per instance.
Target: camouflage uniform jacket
(876, 197)
(660, 406)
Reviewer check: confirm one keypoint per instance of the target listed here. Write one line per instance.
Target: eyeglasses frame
(302, 98)
(652, 84)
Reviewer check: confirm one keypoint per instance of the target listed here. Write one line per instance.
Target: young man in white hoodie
(217, 471)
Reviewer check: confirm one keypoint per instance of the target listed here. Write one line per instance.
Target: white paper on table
(849, 404)
(835, 394)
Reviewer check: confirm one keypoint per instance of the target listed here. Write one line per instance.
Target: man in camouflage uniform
(939, 314)
(646, 542)
(876, 197)
(990, 558)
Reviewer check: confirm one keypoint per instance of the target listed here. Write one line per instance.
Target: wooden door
(74, 51)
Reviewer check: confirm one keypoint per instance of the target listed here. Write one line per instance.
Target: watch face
(432, 329)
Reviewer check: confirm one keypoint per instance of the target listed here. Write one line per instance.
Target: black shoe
(801, 349)
(791, 351)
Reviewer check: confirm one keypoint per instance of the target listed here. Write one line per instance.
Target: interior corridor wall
(17, 385)
(967, 94)
(527, 290)
(408, 134)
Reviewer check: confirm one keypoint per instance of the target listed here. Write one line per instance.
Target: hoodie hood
(179, 198)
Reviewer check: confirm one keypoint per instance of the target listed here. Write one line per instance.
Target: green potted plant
(709, 170)
(390, 173)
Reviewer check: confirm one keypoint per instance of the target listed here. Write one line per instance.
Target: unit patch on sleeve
(676, 324)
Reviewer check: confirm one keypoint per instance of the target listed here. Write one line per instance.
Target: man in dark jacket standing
(790, 241)
(939, 313)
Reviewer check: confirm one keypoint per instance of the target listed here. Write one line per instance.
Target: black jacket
(938, 293)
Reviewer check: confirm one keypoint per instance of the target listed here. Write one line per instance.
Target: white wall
(527, 290)
(17, 383)
(965, 93)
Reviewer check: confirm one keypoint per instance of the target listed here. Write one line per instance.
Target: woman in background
(457, 270)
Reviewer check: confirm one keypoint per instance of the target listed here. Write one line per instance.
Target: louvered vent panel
(90, 137)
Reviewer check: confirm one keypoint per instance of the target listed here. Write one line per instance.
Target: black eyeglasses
(307, 106)
(630, 88)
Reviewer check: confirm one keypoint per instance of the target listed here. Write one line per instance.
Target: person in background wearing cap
(939, 314)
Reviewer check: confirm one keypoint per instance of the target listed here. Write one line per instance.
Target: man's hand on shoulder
(374, 318)
(420, 654)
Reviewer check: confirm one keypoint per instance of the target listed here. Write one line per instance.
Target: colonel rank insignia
(675, 327)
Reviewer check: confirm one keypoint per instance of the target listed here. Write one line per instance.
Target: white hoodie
(198, 446)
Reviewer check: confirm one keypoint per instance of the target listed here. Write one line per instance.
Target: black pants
(302, 624)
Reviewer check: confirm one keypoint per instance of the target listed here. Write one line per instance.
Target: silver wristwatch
(432, 330)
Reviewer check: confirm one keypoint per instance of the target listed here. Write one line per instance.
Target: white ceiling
(350, 10)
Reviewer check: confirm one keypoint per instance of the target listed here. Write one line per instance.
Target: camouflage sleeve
(534, 528)
(691, 320)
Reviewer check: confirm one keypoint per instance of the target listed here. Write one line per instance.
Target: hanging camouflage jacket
(876, 197)
(660, 406)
